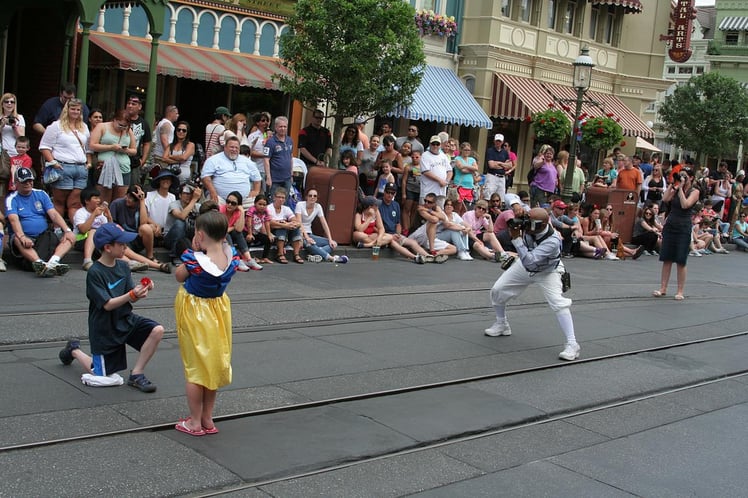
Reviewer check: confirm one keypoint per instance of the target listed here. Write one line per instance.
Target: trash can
(338, 195)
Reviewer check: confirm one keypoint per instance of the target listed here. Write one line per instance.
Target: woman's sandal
(164, 267)
(298, 259)
(658, 293)
(282, 259)
(679, 297)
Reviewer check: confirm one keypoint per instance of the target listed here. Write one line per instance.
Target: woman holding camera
(676, 234)
(12, 126)
(180, 152)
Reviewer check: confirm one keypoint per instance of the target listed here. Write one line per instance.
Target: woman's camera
(11, 120)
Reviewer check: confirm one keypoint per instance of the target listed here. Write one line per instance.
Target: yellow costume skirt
(204, 331)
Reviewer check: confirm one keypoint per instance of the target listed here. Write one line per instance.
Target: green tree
(362, 57)
(708, 114)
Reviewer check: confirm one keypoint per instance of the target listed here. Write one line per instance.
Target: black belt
(494, 173)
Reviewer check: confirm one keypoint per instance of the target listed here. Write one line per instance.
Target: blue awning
(443, 98)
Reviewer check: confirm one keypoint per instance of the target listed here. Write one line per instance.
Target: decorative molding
(518, 37)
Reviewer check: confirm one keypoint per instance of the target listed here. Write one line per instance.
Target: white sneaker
(498, 328)
(464, 256)
(570, 352)
(314, 258)
(242, 266)
(612, 257)
(2, 266)
(695, 253)
(254, 265)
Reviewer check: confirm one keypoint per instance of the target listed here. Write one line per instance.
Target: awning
(630, 6)
(197, 63)
(734, 23)
(515, 97)
(643, 144)
(630, 122)
(443, 98)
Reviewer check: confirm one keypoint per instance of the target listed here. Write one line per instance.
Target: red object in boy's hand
(146, 282)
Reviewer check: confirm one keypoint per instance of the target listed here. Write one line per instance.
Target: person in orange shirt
(629, 178)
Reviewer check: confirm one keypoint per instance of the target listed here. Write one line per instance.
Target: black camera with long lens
(519, 223)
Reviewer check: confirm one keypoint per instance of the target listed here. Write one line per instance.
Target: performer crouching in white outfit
(539, 251)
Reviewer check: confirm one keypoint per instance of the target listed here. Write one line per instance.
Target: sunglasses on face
(232, 203)
(181, 130)
(9, 101)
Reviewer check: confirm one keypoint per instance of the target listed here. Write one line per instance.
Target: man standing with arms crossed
(279, 160)
(142, 132)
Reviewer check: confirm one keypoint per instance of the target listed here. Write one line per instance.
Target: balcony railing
(720, 48)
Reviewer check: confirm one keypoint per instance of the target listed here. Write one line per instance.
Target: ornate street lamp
(582, 78)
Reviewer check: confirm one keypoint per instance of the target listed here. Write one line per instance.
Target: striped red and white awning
(198, 63)
(515, 97)
(630, 6)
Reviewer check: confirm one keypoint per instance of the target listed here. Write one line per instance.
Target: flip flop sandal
(679, 297)
(182, 427)
(212, 430)
(658, 293)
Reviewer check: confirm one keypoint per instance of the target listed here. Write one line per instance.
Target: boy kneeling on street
(111, 322)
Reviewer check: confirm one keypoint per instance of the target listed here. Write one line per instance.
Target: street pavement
(305, 333)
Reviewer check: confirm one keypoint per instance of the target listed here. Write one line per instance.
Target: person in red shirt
(20, 160)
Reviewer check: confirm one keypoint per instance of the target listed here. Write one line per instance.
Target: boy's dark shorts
(116, 360)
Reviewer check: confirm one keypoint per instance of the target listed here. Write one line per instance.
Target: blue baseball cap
(109, 233)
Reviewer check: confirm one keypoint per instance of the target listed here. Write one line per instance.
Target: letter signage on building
(680, 40)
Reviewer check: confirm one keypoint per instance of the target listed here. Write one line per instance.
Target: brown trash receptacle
(625, 203)
(338, 195)
(597, 195)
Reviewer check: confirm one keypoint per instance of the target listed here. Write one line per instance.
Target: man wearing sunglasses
(142, 131)
(412, 138)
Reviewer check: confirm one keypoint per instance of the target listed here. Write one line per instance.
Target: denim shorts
(72, 176)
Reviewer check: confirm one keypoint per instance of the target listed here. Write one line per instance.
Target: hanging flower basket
(601, 133)
(430, 23)
(552, 125)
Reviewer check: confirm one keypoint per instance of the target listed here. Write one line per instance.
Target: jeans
(237, 239)
(283, 234)
(321, 247)
(457, 239)
(741, 243)
(177, 231)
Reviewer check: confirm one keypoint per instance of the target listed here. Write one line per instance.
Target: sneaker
(141, 383)
(498, 328)
(314, 258)
(654, 253)
(254, 265)
(428, 258)
(508, 261)
(66, 353)
(40, 267)
(611, 257)
(340, 259)
(87, 265)
(440, 258)
(464, 256)
(138, 266)
(2, 266)
(500, 257)
(60, 269)
(419, 260)
(570, 352)
(242, 266)
(695, 253)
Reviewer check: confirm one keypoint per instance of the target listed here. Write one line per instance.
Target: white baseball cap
(498, 137)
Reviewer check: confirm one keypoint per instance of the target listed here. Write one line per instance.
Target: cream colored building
(518, 54)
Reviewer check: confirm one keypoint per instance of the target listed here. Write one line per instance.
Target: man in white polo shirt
(229, 171)
(436, 172)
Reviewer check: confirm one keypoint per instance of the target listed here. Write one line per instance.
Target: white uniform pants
(516, 279)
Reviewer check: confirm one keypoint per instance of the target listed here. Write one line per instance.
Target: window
(594, 21)
(671, 70)
(551, 14)
(685, 70)
(525, 10)
(731, 38)
(506, 8)
(699, 69)
(609, 26)
(569, 17)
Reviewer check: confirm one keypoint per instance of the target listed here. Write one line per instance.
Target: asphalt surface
(669, 422)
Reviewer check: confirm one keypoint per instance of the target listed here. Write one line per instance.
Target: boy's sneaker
(314, 258)
(419, 259)
(498, 328)
(440, 258)
(2, 265)
(340, 259)
(428, 258)
(570, 352)
(254, 265)
(141, 383)
(40, 268)
(66, 353)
